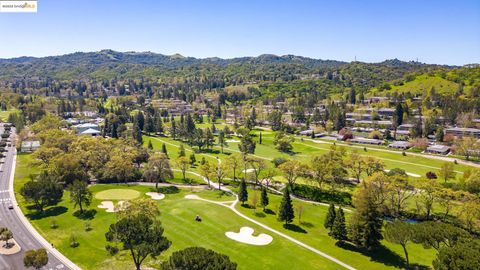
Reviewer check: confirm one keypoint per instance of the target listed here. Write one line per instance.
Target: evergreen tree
(399, 114)
(181, 152)
(264, 198)
(330, 218)
(137, 133)
(352, 96)
(193, 159)
(439, 134)
(221, 139)
(158, 124)
(209, 139)
(149, 126)
(247, 145)
(361, 97)
(164, 149)
(286, 208)
(251, 120)
(339, 229)
(189, 124)
(370, 225)
(140, 120)
(150, 145)
(243, 193)
(173, 130)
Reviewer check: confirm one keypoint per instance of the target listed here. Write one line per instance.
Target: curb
(29, 226)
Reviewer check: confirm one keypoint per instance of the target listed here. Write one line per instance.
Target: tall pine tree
(264, 198)
(330, 218)
(140, 120)
(339, 229)
(164, 149)
(181, 152)
(150, 145)
(243, 193)
(286, 208)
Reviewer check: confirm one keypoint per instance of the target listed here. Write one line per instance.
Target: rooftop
(400, 144)
(91, 131)
(463, 129)
(438, 147)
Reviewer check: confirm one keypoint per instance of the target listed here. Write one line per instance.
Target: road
(10, 218)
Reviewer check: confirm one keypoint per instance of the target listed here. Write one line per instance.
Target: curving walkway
(232, 205)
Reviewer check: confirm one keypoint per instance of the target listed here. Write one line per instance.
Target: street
(10, 219)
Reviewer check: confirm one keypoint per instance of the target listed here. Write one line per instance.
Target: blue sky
(444, 32)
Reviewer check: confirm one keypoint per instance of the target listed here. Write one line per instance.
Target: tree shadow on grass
(211, 151)
(269, 211)
(248, 206)
(260, 214)
(307, 224)
(86, 214)
(49, 212)
(294, 227)
(382, 255)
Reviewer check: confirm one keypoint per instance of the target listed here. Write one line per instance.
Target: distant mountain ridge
(108, 64)
(158, 58)
(150, 58)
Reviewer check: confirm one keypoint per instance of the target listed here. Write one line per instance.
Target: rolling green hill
(421, 85)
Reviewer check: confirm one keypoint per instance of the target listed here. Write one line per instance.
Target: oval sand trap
(246, 236)
(117, 194)
(155, 195)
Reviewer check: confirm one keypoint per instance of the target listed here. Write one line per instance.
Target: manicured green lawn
(4, 114)
(178, 220)
(177, 216)
(117, 194)
(304, 149)
(311, 231)
(178, 213)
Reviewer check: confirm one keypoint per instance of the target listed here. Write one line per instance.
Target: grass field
(4, 114)
(304, 149)
(424, 83)
(177, 214)
(309, 229)
(178, 220)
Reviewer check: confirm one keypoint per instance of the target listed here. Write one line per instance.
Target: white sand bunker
(156, 195)
(246, 236)
(110, 207)
(248, 170)
(233, 141)
(192, 197)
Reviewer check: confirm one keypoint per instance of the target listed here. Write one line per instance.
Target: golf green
(117, 194)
